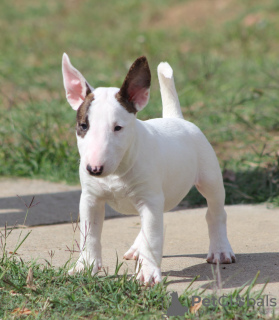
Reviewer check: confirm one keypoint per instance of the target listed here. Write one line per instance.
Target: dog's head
(106, 116)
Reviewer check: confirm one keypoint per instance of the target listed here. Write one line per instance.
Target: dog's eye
(83, 126)
(117, 128)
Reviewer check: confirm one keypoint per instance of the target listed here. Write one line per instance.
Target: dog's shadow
(232, 275)
(45, 209)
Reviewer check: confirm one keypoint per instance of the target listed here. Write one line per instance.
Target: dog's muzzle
(96, 171)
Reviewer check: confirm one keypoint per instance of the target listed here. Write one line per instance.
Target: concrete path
(252, 230)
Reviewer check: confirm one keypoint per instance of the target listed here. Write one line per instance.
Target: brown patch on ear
(82, 114)
(138, 76)
(88, 90)
(128, 105)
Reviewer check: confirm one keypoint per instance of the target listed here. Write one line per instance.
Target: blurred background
(225, 59)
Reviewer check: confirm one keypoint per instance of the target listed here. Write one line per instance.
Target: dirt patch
(260, 144)
(196, 14)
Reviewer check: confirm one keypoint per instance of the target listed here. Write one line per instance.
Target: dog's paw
(148, 274)
(220, 250)
(81, 266)
(131, 254)
(225, 257)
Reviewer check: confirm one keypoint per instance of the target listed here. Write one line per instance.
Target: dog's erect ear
(76, 87)
(134, 93)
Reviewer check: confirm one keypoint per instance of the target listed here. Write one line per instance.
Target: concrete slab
(252, 230)
(53, 202)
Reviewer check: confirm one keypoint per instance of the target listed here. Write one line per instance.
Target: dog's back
(184, 150)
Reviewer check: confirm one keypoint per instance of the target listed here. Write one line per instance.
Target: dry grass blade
(14, 293)
(29, 280)
(23, 311)
(195, 308)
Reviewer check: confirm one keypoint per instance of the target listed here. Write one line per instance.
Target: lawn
(225, 61)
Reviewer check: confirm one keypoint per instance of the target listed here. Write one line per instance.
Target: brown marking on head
(82, 125)
(138, 76)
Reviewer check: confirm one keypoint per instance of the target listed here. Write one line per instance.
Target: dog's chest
(116, 192)
(113, 187)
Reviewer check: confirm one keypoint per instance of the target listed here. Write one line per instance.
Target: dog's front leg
(151, 244)
(92, 213)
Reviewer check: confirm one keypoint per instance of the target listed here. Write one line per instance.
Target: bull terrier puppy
(140, 167)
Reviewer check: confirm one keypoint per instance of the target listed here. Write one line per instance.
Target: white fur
(149, 167)
(171, 105)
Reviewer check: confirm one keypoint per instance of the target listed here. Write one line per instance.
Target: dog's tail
(171, 105)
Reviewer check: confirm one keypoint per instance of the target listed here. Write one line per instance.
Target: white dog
(144, 167)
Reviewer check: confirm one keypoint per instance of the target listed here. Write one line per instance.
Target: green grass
(56, 295)
(226, 71)
(45, 292)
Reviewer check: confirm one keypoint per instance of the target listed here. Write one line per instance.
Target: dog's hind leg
(210, 185)
(170, 101)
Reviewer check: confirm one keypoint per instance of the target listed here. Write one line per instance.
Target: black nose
(96, 171)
